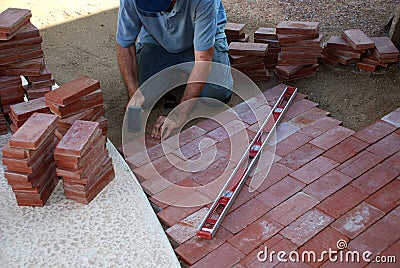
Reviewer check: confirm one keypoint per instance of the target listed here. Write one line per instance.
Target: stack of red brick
(83, 162)
(21, 54)
(383, 54)
(268, 36)
(249, 59)
(235, 32)
(21, 112)
(80, 99)
(3, 124)
(300, 43)
(28, 156)
(11, 92)
(354, 46)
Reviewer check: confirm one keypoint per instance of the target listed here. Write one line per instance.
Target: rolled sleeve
(129, 24)
(205, 25)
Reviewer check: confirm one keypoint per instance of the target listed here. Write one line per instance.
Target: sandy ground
(79, 39)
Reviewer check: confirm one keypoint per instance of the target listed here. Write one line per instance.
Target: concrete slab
(118, 228)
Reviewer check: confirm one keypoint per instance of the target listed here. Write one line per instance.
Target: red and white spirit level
(226, 197)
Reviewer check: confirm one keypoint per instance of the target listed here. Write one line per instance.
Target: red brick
(212, 172)
(375, 132)
(346, 149)
(376, 238)
(24, 110)
(223, 256)
(359, 164)
(255, 234)
(13, 18)
(314, 169)
(72, 91)
(154, 185)
(393, 118)
(186, 228)
(311, 116)
(386, 198)
(176, 175)
(244, 215)
(386, 146)
(248, 49)
(270, 177)
(292, 208)
(208, 124)
(297, 27)
(79, 138)
(301, 156)
(342, 201)
(305, 227)
(327, 184)
(35, 130)
(358, 39)
(280, 191)
(249, 258)
(392, 162)
(196, 248)
(298, 108)
(218, 134)
(318, 127)
(157, 203)
(243, 196)
(332, 137)
(291, 143)
(357, 220)
(172, 215)
(325, 240)
(375, 178)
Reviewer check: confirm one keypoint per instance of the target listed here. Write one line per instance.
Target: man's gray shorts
(152, 59)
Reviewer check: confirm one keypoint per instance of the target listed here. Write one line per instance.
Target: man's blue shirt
(191, 23)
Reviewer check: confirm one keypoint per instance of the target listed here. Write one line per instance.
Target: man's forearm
(128, 68)
(197, 79)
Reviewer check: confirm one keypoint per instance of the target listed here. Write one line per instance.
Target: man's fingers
(156, 133)
(166, 131)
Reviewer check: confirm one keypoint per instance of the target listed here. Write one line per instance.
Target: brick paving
(332, 184)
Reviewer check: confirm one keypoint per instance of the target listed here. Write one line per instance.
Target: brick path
(326, 183)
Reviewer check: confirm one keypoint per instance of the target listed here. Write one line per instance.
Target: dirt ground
(79, 39)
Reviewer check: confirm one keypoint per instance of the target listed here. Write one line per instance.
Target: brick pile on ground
(383, 54)
(249, 59)
(28, 157)
(346, 49)
(21, 112)
(80, 99)
(11, 92)
(21, 52)
(327, 181)
(268, 36)
(355, 47)
(83, 161)
(235, 32)
(300, 43)
(3, 124)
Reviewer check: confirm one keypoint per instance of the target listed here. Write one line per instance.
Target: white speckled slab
(118, 228)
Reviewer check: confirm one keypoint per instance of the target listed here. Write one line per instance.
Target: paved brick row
(332, 184)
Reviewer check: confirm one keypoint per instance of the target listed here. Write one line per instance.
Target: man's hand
(137, 99)
(164, 126)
